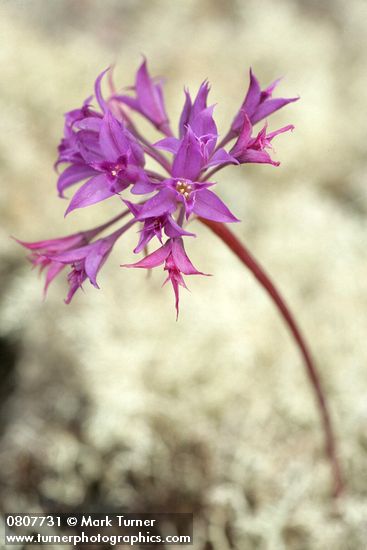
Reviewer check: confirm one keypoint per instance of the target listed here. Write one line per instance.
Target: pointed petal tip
(68, 210)
(252, 76)
(94, 283)
(101, 75)
(23, 243)
(130, 265)
(143, 67)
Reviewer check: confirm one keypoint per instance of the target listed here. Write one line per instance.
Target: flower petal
(98, 92)
(150, 96)
(253, 95)
(112, 140)
(203, 125)
(162, 203)
(257, 156)
(170, 144)
(154, 259)
(142, 187)
(200, 100)
(72, 174)
(182, 260)
(54, 245)
(88, 145)
(72, 256)
(131, 102)
(185, 115)
(134, 208)
(91, 123)
(208, 205)
(172, 229)
(270, 106)
(243, 138)
(95, 260)
(287, 128)
(52, 273)
(221, 157)
(95, 190)
(189, 160)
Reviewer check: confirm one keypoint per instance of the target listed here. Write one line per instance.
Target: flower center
(184, 189)
(116, 170)
(118, 167)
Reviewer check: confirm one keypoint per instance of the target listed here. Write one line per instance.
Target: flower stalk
(228, 237)
(102, 156)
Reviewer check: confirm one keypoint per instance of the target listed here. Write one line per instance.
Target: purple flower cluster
(103, 150)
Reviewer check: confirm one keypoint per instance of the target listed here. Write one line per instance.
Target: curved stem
(121, 230)
(117, 218)
(245, 256)
(157, 157)
(155, 175)
(149, 149)
(165, 128)
(227, 138)
(89, 234)
(208, 175)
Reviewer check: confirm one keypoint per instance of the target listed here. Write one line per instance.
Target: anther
(184, 188)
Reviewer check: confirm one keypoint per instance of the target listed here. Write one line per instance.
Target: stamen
(184, 189)
(116, 169)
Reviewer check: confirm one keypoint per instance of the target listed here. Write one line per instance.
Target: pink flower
(249, 149)
(149, 100)
(176, 263)
(55, 254)
(43, 253)
(258, 103)
(102, 156)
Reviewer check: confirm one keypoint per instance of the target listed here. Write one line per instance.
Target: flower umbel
(103, 151)
(104, 154)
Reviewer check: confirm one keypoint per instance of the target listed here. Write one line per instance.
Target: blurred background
(108, 403)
